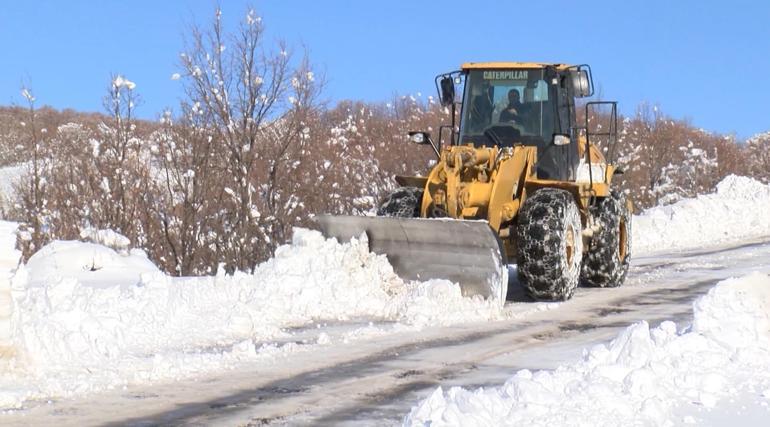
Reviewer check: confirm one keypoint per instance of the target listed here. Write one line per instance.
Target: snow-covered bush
(758, 156)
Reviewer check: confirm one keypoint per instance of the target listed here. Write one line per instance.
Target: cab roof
(507, 65)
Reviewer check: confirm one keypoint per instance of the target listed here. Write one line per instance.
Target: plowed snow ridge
(736, 211)
(638, 378)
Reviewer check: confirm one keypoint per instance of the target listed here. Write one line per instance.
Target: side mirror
(447, 91)
(423, 138)
(419, 137)
(581, 82)
(561, 139)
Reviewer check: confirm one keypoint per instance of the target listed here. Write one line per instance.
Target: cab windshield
(507, 106)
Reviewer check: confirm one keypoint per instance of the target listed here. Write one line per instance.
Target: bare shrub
(757, 153)
(84, 178)
(257, 105)
(33, 186)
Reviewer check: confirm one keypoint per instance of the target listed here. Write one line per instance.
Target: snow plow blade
(465, 252)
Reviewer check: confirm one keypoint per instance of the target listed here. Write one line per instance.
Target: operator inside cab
(514, 111)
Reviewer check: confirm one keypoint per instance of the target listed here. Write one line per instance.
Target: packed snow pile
(737, 210)
(81, 264)
(643, 377)
(82, 309)
(107, 237)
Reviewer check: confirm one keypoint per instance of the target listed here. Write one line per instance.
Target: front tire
(550, 246)
(608, 254)
(403, 202)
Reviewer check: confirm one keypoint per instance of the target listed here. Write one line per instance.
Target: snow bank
(106, 237)
(643, 377)
(84, 308)
(738, 210)
(87, 264)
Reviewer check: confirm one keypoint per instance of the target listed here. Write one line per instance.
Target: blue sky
(701, 60)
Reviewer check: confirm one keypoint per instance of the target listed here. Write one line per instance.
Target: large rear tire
(608, 254)
(550, 246)
(404, 202)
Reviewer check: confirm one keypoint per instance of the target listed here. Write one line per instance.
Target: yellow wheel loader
(519, 182)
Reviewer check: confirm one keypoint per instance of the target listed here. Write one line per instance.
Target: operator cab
(505, 104)
(522, 103)
(504, 107)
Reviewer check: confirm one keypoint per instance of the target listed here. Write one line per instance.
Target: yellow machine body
(470, 200)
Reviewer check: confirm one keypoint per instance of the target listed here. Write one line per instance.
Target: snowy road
(375, 381)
